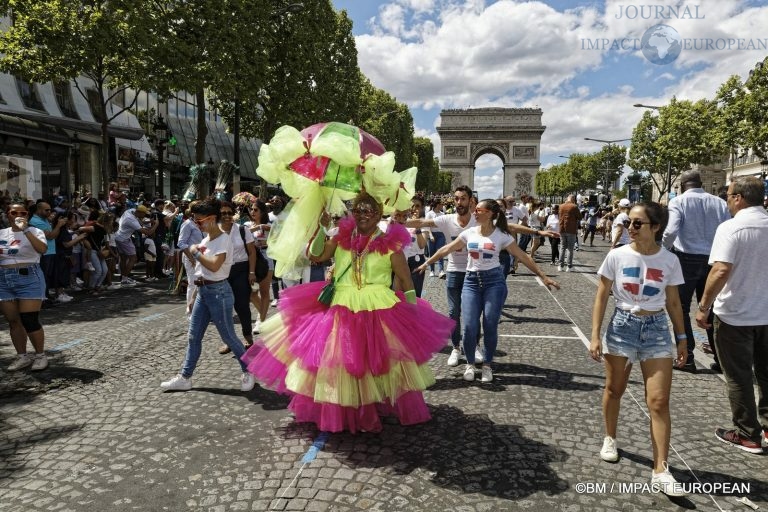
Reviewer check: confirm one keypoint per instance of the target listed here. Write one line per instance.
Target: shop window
(64, 99)
(94, 101)
(29, 94)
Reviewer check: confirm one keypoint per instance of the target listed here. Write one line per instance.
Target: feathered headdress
(198, 182)
(226, 170)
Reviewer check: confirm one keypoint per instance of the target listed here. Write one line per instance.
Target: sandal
(224, 349)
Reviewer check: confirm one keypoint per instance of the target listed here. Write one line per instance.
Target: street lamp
(161, 137)
(76, 159)
(607, 170)
(669, 162)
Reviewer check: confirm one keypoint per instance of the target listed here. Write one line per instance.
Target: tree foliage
(108, 41)
(755, 110)
(424, 156)
(731, 126)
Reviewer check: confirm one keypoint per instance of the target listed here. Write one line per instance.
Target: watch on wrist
(704, 309)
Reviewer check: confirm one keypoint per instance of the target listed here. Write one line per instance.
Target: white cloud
(489, 185)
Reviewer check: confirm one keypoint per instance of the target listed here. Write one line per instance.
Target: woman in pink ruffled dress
(366, 354)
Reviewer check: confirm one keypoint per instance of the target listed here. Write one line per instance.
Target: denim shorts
(22, 283)
(639, 338)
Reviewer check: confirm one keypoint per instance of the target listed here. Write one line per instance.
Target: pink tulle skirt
(345, 369)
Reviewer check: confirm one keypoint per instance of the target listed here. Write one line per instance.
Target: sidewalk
(101, 436)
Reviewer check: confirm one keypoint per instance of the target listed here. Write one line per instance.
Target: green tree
(686, 133)
(731, 128)
(109, 42)
(755, 110)
(424, 156)
(644, 154)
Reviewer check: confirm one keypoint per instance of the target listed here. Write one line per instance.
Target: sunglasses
(637, 223)
(200, 222)
(16, 212)
(365, 212)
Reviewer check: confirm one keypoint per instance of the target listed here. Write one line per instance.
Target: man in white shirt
(735, 290)
(130, 222)
(620, 235)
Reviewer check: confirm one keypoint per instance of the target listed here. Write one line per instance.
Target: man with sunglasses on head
(130, 222)
(694, 216)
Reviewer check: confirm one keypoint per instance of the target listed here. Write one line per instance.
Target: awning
(25, 129)
(219, 145)
(121, 131)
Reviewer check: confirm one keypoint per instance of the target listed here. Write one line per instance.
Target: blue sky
(435, 54)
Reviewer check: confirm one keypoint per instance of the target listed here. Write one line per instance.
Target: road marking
(538, 336)
(581, 336)
(65, 346)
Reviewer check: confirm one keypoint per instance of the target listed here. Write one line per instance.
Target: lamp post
(161, 138)
(607, 169)
(76, 160)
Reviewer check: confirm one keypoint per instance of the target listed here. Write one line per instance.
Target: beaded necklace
(358, 256)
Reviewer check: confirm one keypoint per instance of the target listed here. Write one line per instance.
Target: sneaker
(453, 359)
(76, 288)
(128, 282)
(559, 268)
(431, 274)
(487, 374)
(79, 282)
(177, 383)
(568, 269)
(479, 357)
(22, 361)
(256, 327)
(247, 382)
(113, 286)
(63, 298)
(733, 437)
(273, 303)
(609, 452)
(469, 372)
(40, 362)
(89, 266)
(666, 483)
(441, 275)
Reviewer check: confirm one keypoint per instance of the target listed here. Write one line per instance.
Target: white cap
(624, 203)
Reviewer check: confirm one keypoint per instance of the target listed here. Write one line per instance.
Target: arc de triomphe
(512, 134)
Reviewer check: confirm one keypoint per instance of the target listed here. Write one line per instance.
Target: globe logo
(661, 44)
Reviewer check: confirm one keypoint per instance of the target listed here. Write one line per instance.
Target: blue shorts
(22, 283)
(639, 338)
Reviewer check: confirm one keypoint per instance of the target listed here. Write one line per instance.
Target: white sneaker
(431, 274)
(441, 275)
(113, 286)
(76, 288)
(128, 282)
(247, 382)
(559, 268)
(257, 326)
(666, 483)
(273, 303)
(79, 282)
(63, 298)
(177, 383)
(22, 361)
(89, 266)
(487, 374)
(453, 359)
(567, 269)
(40, 362)
(479, 357)
(469, 372)
(609, 452)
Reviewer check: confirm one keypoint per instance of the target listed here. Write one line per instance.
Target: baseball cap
(624, 203)
(142, 209)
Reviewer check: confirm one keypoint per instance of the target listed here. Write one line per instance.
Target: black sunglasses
(637, 223)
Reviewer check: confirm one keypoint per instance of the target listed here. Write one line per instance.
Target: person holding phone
(22, 287)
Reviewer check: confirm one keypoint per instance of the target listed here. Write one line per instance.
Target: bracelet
(704, 309)
(682, 336)
(252, 273)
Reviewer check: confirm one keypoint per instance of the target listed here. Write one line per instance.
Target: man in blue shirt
(694, 216)
(48, 260)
